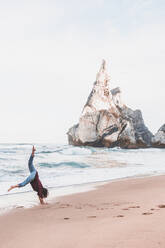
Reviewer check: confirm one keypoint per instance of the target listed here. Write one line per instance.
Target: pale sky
(50, 52)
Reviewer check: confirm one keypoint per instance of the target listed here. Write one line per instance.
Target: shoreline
(123, 213)
(58, 192)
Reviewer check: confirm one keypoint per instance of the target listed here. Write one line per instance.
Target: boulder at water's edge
(159, 139)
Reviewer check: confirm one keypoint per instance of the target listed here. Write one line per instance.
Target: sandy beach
(126, 213)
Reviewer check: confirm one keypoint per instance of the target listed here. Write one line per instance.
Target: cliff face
(159, 139)
(107, 121)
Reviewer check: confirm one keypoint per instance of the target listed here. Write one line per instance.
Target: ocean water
(65, 169)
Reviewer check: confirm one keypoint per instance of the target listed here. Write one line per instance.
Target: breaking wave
(66, 164)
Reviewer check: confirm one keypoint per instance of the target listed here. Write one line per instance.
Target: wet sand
(124, 214)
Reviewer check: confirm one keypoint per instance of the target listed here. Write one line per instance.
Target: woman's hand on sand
(42, 202)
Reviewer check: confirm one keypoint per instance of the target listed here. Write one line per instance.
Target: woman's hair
(45, 192)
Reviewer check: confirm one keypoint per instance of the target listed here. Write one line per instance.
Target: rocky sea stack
(107, 122)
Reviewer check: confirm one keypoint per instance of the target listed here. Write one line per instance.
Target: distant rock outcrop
(107, 121)
(159, 139)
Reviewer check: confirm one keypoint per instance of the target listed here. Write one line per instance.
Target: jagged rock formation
(107, 121)
(159, 139)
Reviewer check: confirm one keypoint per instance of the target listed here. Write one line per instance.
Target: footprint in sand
(154, 209)
(146, 213)
(134, 207)
(119, 216)
(65, 205)
(161, 206)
